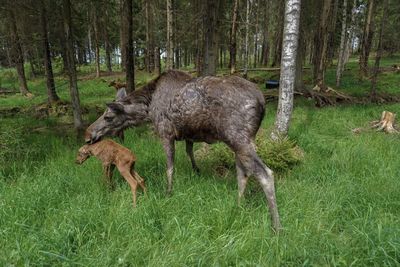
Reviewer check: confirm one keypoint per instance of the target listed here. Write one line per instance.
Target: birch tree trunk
(288, 68)
(343, 42)
(170, 36)
(70, 56)
(257, 11)
(351, 32)
(232, 41)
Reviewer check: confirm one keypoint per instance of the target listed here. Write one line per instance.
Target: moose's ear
(121, 93)
(116, 107)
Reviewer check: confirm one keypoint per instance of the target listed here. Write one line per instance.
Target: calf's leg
(125, 172)
(108, 173)
(189, 152)
(254, 165)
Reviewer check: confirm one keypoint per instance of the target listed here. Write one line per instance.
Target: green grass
(340, 207)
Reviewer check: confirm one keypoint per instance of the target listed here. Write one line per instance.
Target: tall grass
(339, 207)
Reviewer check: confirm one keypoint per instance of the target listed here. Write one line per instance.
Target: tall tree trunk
(210, 40)
(288, 66)
(129, 60)
(232, 39)
(246, 40)
(17, 54)
(257, 11)
(170, 36)
(122, 32)
(332, 32)
(265, 42)
(95, 15)
(51, 89)
(349, 45)
(367, 39)
(321, 45)
(278, 35)
(343, 42)
(70, 55)
(107, 43)
(149, 36)
(380, 50)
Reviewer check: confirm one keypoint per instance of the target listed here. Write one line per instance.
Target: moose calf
(112, 155)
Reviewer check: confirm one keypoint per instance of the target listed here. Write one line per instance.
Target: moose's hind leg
(254, 165)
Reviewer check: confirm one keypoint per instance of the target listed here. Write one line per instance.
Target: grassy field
(340, 207)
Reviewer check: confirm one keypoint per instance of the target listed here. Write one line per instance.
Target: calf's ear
(116, 107)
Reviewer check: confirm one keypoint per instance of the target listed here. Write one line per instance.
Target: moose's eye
(108, 118)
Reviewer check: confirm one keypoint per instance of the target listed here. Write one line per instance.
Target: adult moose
(208, 109)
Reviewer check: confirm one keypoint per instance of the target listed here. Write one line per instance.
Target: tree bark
(170, 36)
(380, 50)
(265, 43)
(321, 45)
(122, 32)
(157, 60)
(70, 56)
(129, 60)
(343, 42)
(367, 39)
(257, 11)
(232, 39)
(17, 54)
(51, 89)
(288, 66)
(349, 45)
(95, 24)
(107, 43)
(246, 40)
(210, 25)
(149, 36)
(278, 35)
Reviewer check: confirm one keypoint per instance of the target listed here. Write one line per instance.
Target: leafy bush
(280, 156)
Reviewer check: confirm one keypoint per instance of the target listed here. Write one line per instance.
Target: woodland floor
(341, 206)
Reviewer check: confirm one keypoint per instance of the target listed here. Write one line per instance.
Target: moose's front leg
(169, 148)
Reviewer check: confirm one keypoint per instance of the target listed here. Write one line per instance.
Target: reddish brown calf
(112, 155)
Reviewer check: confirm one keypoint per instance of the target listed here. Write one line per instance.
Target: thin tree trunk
(17, 54)
(246, 41)
(380, 50)
(257, 11)
(278, 36)
(232, 39)
(170, 36)
(51, 89)
(107, 43)
(122, 33)
(265, 43)
(288, 66)
(70, 55)
(343, 42)
(96, 39)
(157, 60)
(321, 45)
(367, 39)
(349, 45)
(332, 32)
(149, 36)
(129, 60)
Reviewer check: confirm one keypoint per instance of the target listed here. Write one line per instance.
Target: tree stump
(386, 123)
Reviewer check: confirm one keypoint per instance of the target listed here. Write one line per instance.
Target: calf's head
(124, 112)
(83, 154)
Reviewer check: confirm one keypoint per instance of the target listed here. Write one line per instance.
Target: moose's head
(125, 111)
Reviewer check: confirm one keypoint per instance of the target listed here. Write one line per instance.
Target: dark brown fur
(112, 155)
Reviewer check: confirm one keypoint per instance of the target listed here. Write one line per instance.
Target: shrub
(280, 156)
